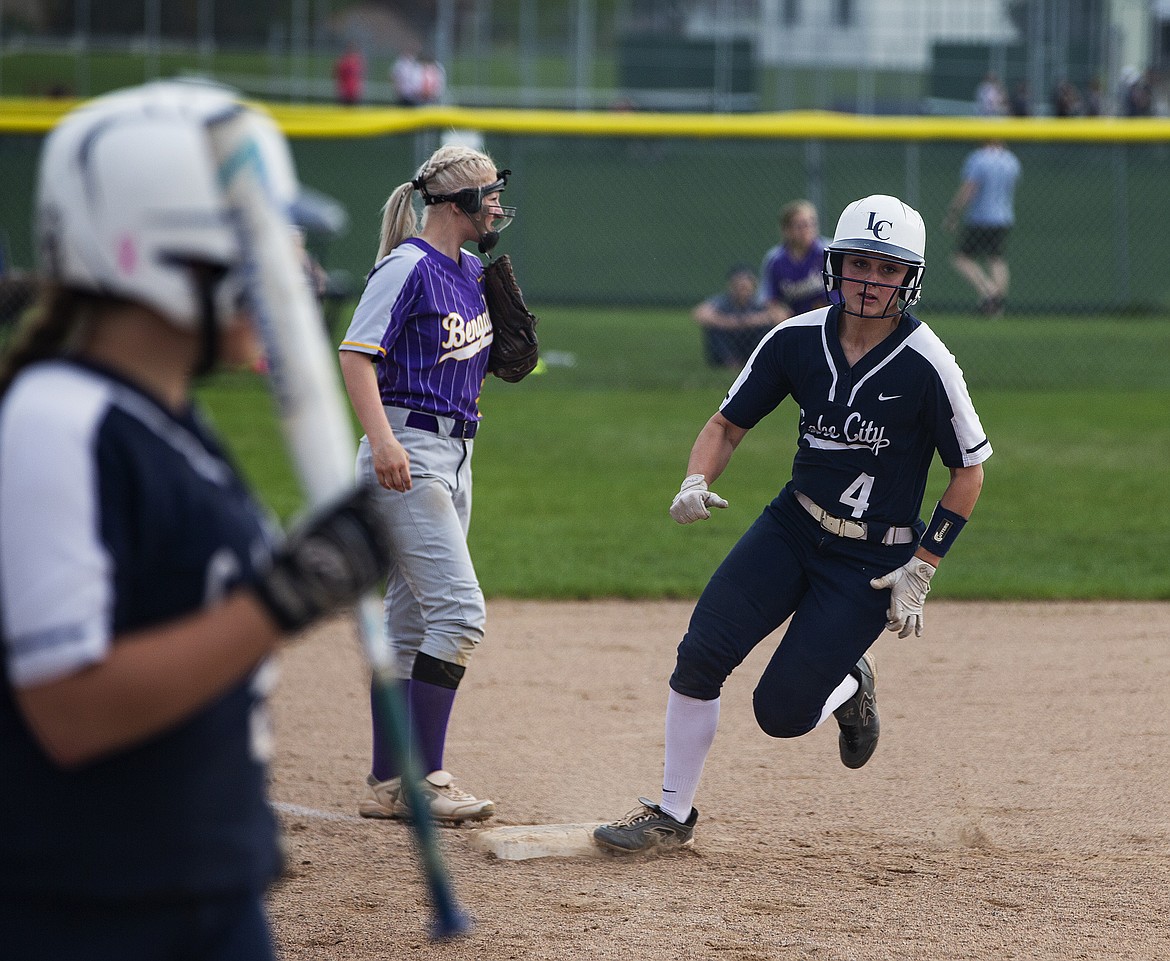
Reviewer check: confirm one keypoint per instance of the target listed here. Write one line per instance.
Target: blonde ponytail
(399, 220)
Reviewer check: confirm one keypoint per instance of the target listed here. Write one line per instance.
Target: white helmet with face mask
(883, 228)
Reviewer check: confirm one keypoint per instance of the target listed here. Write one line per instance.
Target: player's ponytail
(46, 331)
(399, 221)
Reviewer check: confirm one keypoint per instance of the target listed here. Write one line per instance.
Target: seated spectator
(733, 321)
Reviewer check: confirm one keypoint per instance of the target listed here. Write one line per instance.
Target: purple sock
(385, 762)
(430, 709)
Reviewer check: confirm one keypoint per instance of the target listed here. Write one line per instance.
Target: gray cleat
(644, 828)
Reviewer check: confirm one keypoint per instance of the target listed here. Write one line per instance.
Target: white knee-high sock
(690, 731)
(841, 693)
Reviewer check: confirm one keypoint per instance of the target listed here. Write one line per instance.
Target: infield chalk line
(518, 842)
(300, 811)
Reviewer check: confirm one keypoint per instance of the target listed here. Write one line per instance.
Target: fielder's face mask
(489, 221)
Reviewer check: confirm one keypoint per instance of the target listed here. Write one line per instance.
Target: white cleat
(381, 800)
(449, 804)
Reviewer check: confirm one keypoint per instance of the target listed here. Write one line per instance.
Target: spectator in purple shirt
(791, 280)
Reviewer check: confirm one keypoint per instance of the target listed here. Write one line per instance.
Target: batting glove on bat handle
(329, 560)
(908, 585)
(692, 501)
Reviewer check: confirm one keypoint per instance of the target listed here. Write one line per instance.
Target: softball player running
(414, 360)
(841, 549)
(140, 592)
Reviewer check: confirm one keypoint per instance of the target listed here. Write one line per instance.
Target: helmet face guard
(881, 228)
(469, 201)
(905, 293)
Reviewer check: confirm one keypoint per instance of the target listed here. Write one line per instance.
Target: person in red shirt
(349, 74)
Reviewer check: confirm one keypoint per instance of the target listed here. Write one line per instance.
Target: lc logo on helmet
(880, 228)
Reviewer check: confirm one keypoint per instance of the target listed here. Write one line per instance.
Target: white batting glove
(691, 502)
(908, 585)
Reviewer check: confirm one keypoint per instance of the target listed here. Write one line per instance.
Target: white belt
(854, 530)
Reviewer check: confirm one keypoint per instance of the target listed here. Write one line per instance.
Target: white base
(524, 841)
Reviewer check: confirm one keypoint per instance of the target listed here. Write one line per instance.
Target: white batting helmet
(128, 199)
(884, 227)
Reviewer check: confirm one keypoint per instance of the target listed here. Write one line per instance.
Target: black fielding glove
(514, 351)
(329, 560)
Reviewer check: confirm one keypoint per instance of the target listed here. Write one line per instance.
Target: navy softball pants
(53, 928)
(787, 566)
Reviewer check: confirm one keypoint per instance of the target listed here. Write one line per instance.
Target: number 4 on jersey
(856, 495)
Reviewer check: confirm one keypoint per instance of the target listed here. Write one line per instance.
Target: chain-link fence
(622, 210)
(659, 221)
(651, 209)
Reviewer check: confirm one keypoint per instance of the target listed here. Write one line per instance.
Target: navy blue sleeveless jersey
(116, 515)
(867, 433)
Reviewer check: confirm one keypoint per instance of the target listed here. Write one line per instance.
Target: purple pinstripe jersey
(798, 283)
(425, 317)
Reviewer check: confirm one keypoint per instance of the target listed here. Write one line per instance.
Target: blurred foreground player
(141, 589)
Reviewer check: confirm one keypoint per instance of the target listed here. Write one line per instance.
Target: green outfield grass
(575, 467)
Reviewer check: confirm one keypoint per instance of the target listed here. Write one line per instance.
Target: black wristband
(942, 530)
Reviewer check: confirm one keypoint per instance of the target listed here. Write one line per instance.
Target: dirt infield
(1018, 805)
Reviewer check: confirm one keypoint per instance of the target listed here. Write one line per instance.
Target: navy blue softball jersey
(867, 433)
(115, 514)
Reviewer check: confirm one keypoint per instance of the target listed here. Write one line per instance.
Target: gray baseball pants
(433, 599)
